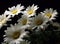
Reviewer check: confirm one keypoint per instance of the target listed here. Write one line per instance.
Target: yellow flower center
(14, 11)
(38, 22)
(16, 35)
(30, 12)
(24, 21)
(49, 15)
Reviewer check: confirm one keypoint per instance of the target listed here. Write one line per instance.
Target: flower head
(15, 10)
(30, 11)
(50, 13)
(24, 21)
(3, 20)
(39, 21)
(14, 34)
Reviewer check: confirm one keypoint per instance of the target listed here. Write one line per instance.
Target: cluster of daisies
(29, 20)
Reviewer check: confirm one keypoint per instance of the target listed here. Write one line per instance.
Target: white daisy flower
(14, 34)
(24, 21)
(3, 20)
(50, 13)
(15, 10)
(30, 11)
(39, 21)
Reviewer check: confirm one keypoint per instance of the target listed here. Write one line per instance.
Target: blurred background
(43, 4)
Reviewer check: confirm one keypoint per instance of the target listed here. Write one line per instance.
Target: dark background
(43, 4)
